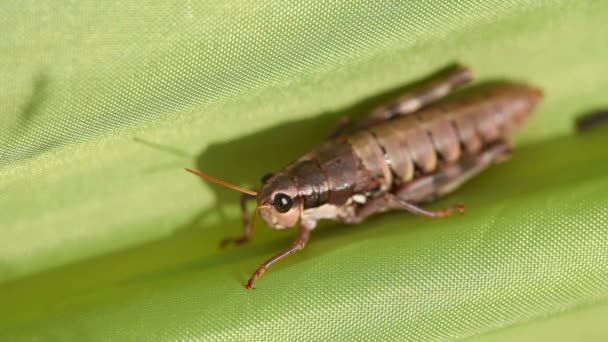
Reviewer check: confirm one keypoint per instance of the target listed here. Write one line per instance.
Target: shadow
(164, 148)
(592, 119)
(191, 254)
(39, 93)
(30, 110)
(183, 157)
(275, 147)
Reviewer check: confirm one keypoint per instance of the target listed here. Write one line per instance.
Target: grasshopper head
(279, 203)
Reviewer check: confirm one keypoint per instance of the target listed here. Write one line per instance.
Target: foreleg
(299, 243)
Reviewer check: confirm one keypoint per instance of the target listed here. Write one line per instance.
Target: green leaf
(105, 237)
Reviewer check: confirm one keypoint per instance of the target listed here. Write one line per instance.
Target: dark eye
(282, 203)
(266, 177)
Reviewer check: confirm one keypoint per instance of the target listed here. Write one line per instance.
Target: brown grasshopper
(411, 151)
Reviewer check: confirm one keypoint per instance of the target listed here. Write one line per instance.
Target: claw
(459, 207)
(257, 274)
(237, 241)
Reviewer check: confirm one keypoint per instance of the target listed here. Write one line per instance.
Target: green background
(104, 236)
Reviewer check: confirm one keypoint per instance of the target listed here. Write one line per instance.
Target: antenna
(221, 182)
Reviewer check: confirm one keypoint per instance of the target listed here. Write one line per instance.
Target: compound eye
(282, 203)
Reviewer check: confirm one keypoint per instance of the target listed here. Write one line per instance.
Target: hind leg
(436, 87)
(432, 186)
(452, 176)
(431, 90)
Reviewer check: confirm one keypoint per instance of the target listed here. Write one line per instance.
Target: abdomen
(400, 149)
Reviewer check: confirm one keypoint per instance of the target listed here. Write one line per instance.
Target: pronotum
(406, 153)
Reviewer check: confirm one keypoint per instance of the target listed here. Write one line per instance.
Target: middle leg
(247, 227)
(340, 128)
